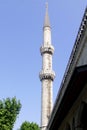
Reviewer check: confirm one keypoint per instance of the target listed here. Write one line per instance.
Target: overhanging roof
(70, 69)
(75, 86)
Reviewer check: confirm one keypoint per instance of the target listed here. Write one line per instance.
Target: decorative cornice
(47, 49)
(47, 75)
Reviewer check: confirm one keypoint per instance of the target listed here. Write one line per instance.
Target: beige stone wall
(46, 101)
(47, 62)
(47, 36)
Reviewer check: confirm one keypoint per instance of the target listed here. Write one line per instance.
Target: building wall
(73, 119)
(76, 117)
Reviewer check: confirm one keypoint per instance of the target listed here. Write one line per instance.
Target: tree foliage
(9, 109)
(29, 126)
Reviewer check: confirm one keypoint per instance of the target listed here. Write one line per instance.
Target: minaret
(47, 74)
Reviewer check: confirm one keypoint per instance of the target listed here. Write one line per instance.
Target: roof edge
(79, 37)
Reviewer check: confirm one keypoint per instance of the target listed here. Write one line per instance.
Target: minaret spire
(47, 21)
(47, 5)
(47, 74)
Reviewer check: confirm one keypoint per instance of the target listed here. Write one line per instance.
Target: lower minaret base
(46, 102)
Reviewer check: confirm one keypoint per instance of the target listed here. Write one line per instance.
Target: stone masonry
(47, 74)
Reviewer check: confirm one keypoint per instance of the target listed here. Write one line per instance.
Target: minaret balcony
(47, 75)
(47, 49)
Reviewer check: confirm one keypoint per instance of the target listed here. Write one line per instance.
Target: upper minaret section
(47, 43)
(47, 21)
(47, 50)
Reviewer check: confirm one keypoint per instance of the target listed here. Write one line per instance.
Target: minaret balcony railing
(47, 49)
(47, 75)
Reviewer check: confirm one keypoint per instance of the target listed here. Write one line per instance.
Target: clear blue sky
(21, 36)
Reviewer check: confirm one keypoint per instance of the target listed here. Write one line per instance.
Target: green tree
(29, 126)
(9, 109)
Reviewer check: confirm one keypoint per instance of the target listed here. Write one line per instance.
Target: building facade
(47, 74)
(70, 108)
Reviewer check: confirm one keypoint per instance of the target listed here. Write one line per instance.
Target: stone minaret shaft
(47, 74)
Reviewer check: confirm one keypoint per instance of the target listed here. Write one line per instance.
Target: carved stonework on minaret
(47, 75)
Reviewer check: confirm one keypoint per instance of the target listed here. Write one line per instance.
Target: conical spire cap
(47, 21)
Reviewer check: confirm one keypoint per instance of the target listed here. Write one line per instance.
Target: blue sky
(21, 36)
